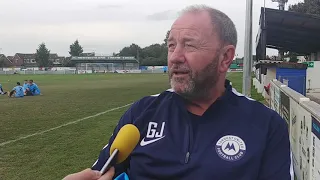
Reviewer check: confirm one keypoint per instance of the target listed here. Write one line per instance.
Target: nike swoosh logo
(144, 143)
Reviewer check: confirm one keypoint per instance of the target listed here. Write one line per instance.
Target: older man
(202, 128)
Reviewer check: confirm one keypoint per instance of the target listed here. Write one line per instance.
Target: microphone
(122, 146)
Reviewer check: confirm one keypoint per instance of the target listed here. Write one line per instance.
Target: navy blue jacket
(237, 138)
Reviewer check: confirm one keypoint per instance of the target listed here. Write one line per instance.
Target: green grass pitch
(67, 98)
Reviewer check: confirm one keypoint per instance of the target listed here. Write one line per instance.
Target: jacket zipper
(187, 134)
(187, 156)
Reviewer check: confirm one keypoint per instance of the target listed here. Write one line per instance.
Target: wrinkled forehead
(193, 25)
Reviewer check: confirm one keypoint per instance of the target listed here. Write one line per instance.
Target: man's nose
(177, 56)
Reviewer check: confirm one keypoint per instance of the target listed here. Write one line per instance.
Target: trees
(153, 55)
(293, 57)
(167, 36)
(308, 7)
(75, 49)
(132, 50)
(42, 56)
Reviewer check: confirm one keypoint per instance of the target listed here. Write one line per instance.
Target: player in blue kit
(201, 128)
(33, 88)
(17, 91)
(25, 86)
(2, 92)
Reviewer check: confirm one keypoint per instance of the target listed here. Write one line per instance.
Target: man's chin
(180, 84)
(179, 88)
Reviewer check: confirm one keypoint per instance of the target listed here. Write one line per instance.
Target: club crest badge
(230, 148)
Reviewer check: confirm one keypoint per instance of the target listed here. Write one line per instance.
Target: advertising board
(302, 116)
(315, 152)
(272, 86)
(84, 71)
(295, 134)
(304, 124)
(285, 108)
(277, 99)
(128, 71)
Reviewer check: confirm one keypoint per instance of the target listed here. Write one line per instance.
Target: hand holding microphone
(89, 174)
(122, 146)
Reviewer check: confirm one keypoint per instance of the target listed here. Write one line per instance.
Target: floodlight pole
(247, 61)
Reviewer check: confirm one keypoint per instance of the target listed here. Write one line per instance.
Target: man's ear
(226, 57)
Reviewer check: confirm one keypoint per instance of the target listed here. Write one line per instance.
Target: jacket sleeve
(276, 161)
(127, 118)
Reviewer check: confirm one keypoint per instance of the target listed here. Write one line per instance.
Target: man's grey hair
(220, 21)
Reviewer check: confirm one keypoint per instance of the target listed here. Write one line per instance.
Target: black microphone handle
(110, 161)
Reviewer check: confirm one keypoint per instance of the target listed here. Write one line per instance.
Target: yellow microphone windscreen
(125, 141)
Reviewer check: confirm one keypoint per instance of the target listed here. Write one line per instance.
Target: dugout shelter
(287, 31)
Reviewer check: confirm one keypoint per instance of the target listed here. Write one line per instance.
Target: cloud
(109, 6)
(164, 15)
(105, 25)
(59, 17)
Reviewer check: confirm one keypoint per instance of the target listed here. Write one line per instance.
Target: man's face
(193, 55)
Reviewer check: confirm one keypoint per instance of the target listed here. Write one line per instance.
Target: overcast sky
(105, 26)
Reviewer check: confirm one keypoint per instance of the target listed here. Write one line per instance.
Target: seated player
(33, 88)
(27, 92)
(26, 89)
(17, 91)
(25, 85)
(2, 91)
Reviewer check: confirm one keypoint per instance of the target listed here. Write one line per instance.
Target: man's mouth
(180, 72)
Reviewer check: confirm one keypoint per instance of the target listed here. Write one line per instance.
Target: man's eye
(189, 45)
(170, 45)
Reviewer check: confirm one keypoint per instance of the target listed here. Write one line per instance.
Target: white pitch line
(63, 125)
